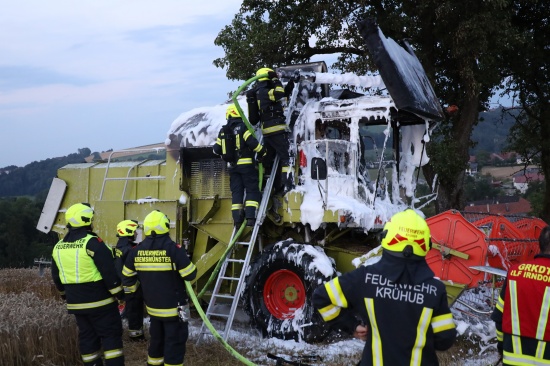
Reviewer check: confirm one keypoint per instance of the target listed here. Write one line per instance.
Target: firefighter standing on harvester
(161, 266)
(265, 106)
(126, 234)
(83, 271)
(403, 310)
(237, 146)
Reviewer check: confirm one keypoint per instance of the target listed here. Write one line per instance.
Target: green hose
(222, 259)
(238, 106)
(188, 285)
(245, 120)
(231, 350)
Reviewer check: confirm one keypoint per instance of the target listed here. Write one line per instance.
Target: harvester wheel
(278, 291)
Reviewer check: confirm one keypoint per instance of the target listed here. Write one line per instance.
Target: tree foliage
(20, 241)
(527, 68)
(480, 188)
(457, 42)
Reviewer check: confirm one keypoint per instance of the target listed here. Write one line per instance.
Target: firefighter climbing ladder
(217, 297)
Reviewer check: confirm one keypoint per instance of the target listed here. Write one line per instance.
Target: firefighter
(161, 267)
(85, 274)
(395, 305)
(126, 234)
(521, 312)
(269, 94)
(243, 175)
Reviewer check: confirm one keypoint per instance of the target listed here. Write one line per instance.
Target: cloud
(66, 64)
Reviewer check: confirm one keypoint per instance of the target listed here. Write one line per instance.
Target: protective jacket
(84, 272)
(123, 247)
(246, 144)
(521, 313)
(403, 306)
(269, 94)
(161, 267)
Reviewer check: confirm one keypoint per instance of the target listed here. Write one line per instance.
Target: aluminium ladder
(223, 276)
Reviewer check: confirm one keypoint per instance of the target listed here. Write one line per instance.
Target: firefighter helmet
(156, 223)
(232, 112)
(407, 228)
(263, 71)
(127, 228)
(79, 215)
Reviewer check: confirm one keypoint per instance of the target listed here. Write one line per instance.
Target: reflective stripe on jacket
(84, 272)
(403, 306)
(522, 311)
(161, 268)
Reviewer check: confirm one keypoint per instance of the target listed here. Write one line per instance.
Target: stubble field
(35, 329)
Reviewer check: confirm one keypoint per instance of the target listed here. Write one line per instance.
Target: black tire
(279, 288)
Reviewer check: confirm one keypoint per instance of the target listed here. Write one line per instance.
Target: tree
(483, 158)
(535, 195)
(528, 80)
(480, 188)
(456, 41)
(20, 241)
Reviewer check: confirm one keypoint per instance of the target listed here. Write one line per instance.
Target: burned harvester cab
(356, 161)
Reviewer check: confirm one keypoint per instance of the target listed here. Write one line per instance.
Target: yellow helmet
(407, 228)
(127, 228)
(262, 71)
(79, 215)
(156, 223)
(232, 112)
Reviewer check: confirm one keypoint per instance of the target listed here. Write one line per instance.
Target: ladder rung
(217, 314)
(224, 296)
(230, 278)
(236, 260)
(243, 242)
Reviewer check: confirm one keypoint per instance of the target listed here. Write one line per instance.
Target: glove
(121, 297)
(272, 75)
(260, 156)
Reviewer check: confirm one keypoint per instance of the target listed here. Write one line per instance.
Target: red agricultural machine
(477, 249)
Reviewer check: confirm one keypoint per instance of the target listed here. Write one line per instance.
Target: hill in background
(491, 133)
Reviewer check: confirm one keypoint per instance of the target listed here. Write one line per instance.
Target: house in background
(504, 205)
(472, 166)
(522, 179)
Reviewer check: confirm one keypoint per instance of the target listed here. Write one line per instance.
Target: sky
(104, 74)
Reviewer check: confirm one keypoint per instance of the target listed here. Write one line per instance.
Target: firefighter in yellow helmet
(240, 149)
(126, 232)
(161, 267)
(395, 305)
(521, 313)
(265, 105)
(83, 271)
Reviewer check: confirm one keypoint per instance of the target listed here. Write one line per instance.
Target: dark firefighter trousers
(134, 313)
(167, 343)
(279, 144)
(244, 177)
(97, 330)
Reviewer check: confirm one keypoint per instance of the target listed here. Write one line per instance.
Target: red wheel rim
(284, 293)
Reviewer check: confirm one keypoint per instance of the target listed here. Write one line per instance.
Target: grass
(35, 329)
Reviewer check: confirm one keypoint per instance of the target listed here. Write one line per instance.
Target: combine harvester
(357, 161)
